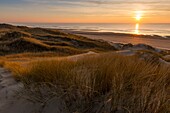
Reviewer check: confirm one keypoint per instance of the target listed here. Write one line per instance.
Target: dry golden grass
(35, 41)
(21, 39)
(16, 68)
(34, 55)
(167, 58)
(102, 83)
(2, 63)
(155, 54)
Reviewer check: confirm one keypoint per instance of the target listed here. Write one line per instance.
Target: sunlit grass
(101, 83)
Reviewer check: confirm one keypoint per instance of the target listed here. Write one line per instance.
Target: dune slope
(19, 39)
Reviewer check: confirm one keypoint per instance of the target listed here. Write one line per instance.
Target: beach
(153, 40)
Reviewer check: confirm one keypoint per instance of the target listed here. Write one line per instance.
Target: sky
(85, 11)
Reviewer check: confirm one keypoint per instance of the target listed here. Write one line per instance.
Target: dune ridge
(19, 39)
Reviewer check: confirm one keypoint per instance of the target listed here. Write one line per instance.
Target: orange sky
(84, 11)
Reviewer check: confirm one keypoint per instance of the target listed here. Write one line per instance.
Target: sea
(162, 29)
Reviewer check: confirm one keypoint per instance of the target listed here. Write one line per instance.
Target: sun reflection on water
(136, 29)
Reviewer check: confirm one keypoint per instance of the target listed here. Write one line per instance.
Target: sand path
(10, 102)
(7, 87)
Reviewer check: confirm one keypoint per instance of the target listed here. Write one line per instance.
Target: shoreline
(87, 30)
(153, 40)
(96, 32)
(128, 28)
(113, 37)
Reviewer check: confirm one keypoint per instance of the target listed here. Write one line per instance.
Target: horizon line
(78, 23)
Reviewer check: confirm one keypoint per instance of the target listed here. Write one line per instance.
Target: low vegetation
(21, 39)
(101, 83)
(106, 83)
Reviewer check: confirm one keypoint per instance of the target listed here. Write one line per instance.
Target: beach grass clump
(2, 63)
(106, 83)
(17, 69)
(167, 58)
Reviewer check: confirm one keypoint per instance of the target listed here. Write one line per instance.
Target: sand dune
(24, 39)
(19, 39)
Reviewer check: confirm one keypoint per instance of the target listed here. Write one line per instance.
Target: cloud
(106, 4)
(88, 8)
(101, 2)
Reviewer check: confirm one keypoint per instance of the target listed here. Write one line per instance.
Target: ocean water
(146, 29)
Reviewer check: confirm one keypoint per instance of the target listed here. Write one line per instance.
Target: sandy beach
(155, 40)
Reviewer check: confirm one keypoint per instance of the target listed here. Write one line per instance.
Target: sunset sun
(138, 15)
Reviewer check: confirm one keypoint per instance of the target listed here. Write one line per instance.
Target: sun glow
(138, 15)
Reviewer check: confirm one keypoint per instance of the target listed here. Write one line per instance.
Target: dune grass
(35, 55)
(155, 55)
(102, 83)
(21, 39)
(16, 68)
(167, 58)
(2, 63)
